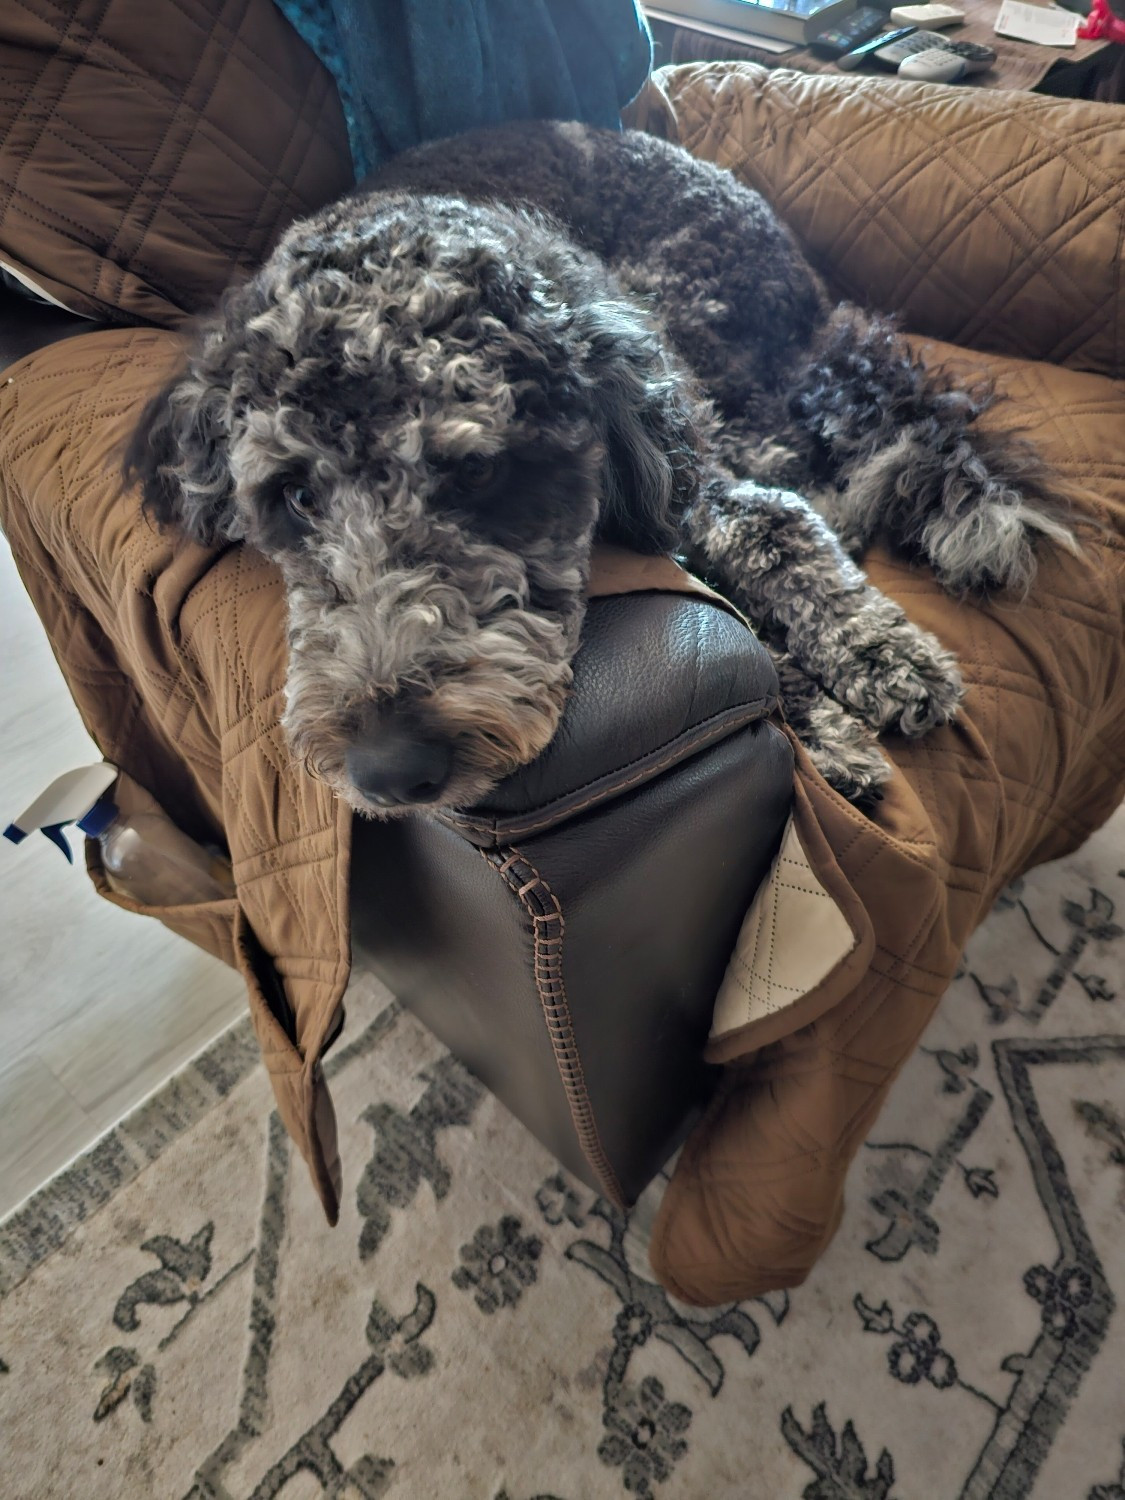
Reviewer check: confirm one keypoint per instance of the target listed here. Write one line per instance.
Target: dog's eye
(300, 500)
(478, 472)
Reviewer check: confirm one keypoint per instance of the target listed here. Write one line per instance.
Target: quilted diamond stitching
(214, 48)
(786, 136)
(793, 923)
(105, 53)
(313, 848)
(33, 86)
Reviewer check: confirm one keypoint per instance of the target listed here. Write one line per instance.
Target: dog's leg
(841, 747)
(905, 460)
(770, 553)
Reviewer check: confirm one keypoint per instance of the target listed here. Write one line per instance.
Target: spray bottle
(144, 854)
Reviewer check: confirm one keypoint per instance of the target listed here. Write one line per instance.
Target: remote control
(859, 55)
(935, 66)
(976, 56)
(859, 27)
(927, 17)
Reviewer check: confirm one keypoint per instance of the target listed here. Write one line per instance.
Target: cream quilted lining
(793, 936)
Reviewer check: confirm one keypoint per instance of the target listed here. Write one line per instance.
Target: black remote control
(853, 30)
(861, 54)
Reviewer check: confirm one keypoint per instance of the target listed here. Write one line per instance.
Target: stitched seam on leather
(728, 721)
(548, 928)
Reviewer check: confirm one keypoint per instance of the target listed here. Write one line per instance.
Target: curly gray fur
(436, 395)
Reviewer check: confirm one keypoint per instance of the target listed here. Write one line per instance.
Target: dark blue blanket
(417, 70)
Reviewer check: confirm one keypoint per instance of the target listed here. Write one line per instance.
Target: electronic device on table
(927, 17)
(974, 55)
(906, 44)
(851, 31)
(933, 66)
(796, 21)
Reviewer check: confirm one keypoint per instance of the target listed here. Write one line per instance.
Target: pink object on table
(1102, 24)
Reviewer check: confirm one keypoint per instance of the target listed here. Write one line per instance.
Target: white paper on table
(1048, 25)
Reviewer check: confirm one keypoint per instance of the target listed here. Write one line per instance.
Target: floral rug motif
(179, 1323)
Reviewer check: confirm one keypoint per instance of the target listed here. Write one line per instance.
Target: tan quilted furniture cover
(996, 224)
(116, 115)
(175, 658)
(875, 177)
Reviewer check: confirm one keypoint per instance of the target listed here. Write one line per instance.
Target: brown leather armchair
(566, 939)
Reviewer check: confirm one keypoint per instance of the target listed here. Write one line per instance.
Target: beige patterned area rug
(179, 1322)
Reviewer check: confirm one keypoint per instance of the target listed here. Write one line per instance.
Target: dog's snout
(394, 768)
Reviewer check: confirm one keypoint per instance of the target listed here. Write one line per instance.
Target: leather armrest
(575, 971)
(658, 677)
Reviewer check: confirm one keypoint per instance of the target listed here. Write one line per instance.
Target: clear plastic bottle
(144, 854)
(147, 857)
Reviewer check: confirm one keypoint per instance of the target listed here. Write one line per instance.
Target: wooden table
(1086, 70)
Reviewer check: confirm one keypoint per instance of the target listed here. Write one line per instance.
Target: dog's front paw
(909, 683)
(845, 752)
(892, 673)
(841, 747)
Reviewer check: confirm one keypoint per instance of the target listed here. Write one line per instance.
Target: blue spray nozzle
(79, 797)
(54, 832)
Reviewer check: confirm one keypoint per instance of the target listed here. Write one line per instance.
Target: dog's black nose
(395, 770)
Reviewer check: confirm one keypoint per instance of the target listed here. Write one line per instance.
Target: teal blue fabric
(409, 71)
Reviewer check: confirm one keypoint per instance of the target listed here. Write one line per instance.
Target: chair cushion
(150, 153)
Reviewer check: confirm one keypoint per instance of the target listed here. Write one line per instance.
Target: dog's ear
(650, 419)
(178, 452)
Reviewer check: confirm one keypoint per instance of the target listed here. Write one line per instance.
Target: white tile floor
(97, 1007)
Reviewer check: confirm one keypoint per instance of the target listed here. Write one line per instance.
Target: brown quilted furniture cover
(176, 660)
(174, 656)
(1037, 758)
(152, 150)
(996, 225)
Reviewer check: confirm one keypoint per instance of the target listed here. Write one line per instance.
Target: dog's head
(423, 411)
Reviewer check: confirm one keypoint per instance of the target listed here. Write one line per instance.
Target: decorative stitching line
(548, 929)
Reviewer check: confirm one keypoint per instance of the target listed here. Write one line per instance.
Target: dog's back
(828, 400)
(740, 303)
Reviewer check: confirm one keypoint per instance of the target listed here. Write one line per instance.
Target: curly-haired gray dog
(437, 394)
